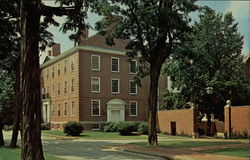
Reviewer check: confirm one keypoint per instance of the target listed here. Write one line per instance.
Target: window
(133, 87)
(114, 64)
(47, 91)
(58, 89)
(53, 90)
(47, 73)
(58, 110)
(58, 69)
(95, 84)
(133, 108)
(72, 63)
(95, 107)
(132, 66)
(65, 87)
(65, 109)
(72, 87)
(53, 72)
(95, 126)
(95, 62)
(72, 108)
(115, 86)
(65, 66)
(53, 110)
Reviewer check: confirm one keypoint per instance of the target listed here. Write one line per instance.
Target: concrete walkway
(183, 153)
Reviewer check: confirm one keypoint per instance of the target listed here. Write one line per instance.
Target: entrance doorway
(115, 110)
(173, 128)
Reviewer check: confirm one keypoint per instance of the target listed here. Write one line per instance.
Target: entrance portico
(115, 110)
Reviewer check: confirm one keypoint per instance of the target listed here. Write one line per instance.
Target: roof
(246, 58)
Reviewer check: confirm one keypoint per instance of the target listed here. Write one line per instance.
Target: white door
(115, 116)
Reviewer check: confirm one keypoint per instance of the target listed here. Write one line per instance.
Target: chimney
(56, 49)
(49, 52)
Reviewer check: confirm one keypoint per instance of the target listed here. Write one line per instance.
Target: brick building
(92, 84)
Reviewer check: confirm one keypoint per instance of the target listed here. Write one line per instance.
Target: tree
(210, 57)
(155, 28)
(31, 26)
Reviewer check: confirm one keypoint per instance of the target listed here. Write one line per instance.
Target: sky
(239, 8)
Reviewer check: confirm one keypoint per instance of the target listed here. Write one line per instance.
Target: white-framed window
(72, 108)
(47, 91)
(53, 72)
(133, 108)
(115, 86)
(95, 62)
(65, 87)
(53, 110)
(47, 73)
(72, 64)
(58, 69)
(65, 67)
(95, 108)
(95, 84)
(58, 89)
(58, 110)
(53, 89)
(115, 64)
(72, 85)
(132, 66)
(96, 127)
(65, 109)
(132, 87)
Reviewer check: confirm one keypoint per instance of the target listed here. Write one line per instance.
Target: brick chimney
(56, 49)
(49, 52)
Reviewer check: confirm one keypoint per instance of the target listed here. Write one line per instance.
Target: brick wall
(184, 120)
(240, 119)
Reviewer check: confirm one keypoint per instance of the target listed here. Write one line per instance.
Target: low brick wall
(183, 120)
(240, 119)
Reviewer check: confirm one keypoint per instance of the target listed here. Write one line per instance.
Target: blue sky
(239, 9)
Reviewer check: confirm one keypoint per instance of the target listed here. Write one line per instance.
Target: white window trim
(58, 110)
(65, 86)
(97, 129)
(72, 61)
(53, 90)
(118, 64)
(58, 88)
(65, 108)
(118, 86)
(99, 62)
(99, 80)
(130, 88)
(136, 108)
(72, 113)
(53, 110)
(71, 85)
(130, 66)
(64, 66)
(92, 108)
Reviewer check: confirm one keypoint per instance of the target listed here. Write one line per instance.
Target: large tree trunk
(30, 81)
(209, 123)
(152, 103)
(16, 125)
(1, 134)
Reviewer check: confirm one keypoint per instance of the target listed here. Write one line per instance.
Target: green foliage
(73, 128)
(45, 126)
(125, 128)
(143, 128)
(210, 56)
(110, 127)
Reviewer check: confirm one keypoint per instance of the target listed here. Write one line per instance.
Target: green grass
(105, 135)
(14, 154)
(184, 144)
(238, 152)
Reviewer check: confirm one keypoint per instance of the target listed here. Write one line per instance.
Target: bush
(125, 128)
(73, 128)
(110, 127)
(143, 128)
(45, 126)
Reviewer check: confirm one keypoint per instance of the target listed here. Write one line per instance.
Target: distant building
(246, 61)
(93, 84)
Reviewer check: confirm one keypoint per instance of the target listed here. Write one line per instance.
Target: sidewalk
(182, 153)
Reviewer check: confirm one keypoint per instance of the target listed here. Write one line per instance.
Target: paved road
(87, 149)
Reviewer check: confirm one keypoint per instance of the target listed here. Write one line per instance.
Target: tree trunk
(16, 125)
(30, 81)
(152, 103)
(209, 124)
(1, 134)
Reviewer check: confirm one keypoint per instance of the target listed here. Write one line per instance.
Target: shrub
(143, 128)
(73, 128)
(110, 127)
(45, 126)
(125, 128)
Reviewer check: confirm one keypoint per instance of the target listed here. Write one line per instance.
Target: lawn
(185, 144)
(238, 152)
(105, 135)
(14, 154)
